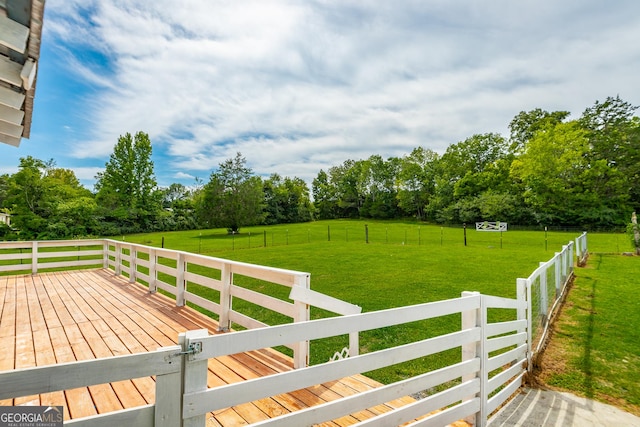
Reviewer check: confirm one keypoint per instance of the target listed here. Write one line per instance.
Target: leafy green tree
(75, 217)
(491, 205)
(526, 123)
(609, 123)
(174, 193)
(614, 136)
(348, 188)
(501, 206)
(126, 190)
(5, 183)
(286, 200)
(275, 200)
(40, 197)
(377, 186)
(563, 185)
(74, 207)
(27, 197)
(324, 196)
(467, 169)
(179, 210)
(416, 181)
(232, 198)
(631, 167)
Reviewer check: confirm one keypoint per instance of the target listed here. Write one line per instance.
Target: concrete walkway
(551, 408)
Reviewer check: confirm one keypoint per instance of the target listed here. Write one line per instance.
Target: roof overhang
(20, 33)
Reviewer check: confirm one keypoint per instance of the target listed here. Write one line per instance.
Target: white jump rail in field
(467, 383)
(491, 226)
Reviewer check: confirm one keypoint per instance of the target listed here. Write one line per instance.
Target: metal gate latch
(194, 348)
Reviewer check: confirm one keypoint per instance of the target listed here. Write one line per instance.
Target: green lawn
(407, 263)
(595, 349)
(403, 264)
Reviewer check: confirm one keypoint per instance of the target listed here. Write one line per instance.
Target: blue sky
(301, 86)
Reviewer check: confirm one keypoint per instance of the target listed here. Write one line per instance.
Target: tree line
(549, 171)
(47, 202)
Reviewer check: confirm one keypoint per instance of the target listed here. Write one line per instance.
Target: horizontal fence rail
(464, 382)
(207, 282)
(34, 256)
(165, 364)
(177, 272)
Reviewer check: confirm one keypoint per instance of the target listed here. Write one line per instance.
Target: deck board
(67, 316)
(49, 312)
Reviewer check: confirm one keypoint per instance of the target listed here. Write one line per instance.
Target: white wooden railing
(545, 289)
(36, 256)
(165, 364)
(174, 271)
(467, 389)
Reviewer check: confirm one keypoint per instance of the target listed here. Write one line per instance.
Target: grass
(403, 264)
(594, 351)
(595, 347)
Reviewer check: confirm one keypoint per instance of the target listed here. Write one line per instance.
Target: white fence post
(180, 282)
(570, 263)
(544, 301)
(133, 264)
(566, 265)
(559, 261)
(105, 254)
(472, 319)
(484, 365)
(153, 280)
(34, 257)
(525, 313)
(582, 251)
(354, 344)
(226, 279)
(302, 314)
(118, 260)
(563, 269)
(168, 406)
(195, 373)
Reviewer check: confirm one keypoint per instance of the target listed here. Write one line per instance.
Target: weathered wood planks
(67, 316)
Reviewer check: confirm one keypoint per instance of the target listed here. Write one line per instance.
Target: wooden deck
(67, 316)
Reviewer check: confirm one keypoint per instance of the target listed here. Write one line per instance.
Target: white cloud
(297, 87)
(182, 175)
(87, 173)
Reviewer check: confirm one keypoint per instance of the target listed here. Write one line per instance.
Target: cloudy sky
(299, 86)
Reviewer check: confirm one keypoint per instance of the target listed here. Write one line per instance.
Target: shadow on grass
(227, 236)
(588, 343)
